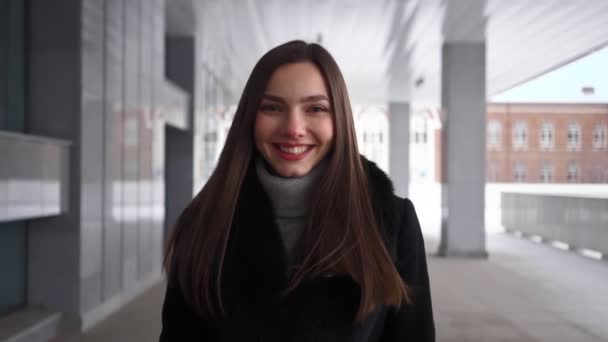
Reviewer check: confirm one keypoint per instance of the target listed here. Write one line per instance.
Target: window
(520, 136)
(546, 173)
(546, 136)
(573, 173)
(519, 172)
(600, 136)
(574, 137)
(419, 126)
(494, 135)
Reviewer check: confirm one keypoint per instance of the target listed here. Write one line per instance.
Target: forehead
(297, 80)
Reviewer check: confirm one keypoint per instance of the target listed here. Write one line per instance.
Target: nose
(295, 125)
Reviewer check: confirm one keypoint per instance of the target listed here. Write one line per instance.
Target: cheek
(327, 130)
(259, 132)
(262, 127)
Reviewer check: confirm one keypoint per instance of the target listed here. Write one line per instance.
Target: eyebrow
(311, 98)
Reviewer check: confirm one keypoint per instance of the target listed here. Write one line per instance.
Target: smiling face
(294, 128)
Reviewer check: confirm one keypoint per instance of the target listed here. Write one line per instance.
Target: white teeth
(293, 150)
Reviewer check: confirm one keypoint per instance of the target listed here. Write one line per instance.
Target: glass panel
(3, 63)
(12, 64)
(13, 235)
(12, 264)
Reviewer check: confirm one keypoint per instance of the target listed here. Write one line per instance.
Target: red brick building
(554, 143)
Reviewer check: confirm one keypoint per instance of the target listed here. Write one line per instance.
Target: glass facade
(13, 235)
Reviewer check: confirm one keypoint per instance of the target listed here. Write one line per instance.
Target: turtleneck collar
(290, 197)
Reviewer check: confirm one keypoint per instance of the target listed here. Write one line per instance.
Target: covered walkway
(113, 120)
(523, 292)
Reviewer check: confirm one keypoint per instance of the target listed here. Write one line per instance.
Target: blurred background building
(547, 143)
(491, 115)
(526, 142)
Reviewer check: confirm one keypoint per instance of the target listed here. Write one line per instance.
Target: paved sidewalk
(523, 292)
(135, 322)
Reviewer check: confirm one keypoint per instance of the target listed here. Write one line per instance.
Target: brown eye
(317, 109)
(268, 107)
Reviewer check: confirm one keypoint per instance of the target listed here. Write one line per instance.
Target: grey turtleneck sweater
(290, 198)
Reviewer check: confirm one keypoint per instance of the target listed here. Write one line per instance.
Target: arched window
(574, 136)
(494, 135)
(546, 173)
(600, 136)
(573, 173)
(520, 172)
(520, 136)
(547, 133)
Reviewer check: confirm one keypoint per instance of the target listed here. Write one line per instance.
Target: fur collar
(254, 269)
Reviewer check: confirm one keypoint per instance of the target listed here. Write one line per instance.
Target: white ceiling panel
(378, 42)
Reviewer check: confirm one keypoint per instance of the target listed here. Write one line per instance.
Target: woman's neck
(290, 197)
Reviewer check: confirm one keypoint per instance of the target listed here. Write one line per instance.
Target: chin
(292, 172)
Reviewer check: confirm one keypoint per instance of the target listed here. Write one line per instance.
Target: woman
(296, 237)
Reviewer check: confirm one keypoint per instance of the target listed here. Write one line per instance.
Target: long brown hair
(342, 234)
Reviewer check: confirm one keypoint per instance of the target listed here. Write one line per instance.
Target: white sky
(564, 84)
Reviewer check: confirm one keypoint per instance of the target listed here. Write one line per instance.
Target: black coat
(318, 310)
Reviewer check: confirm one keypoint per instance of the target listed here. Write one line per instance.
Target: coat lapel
(255, 260)
(383, 203)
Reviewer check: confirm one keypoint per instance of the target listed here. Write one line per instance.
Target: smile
(294, 149)
(293, 152)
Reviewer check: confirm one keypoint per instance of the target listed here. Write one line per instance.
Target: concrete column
(399, 146)
(179, 167)
(180, 67)
(179, 144)
(463, 149)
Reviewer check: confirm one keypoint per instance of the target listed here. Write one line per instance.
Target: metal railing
(579, 221)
